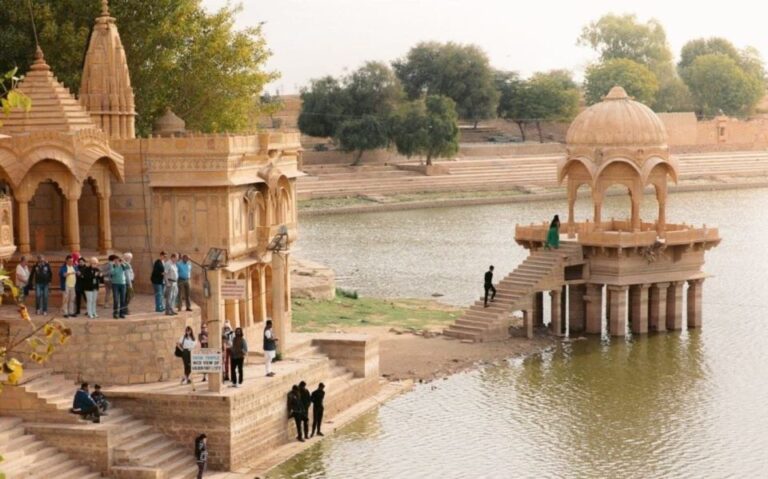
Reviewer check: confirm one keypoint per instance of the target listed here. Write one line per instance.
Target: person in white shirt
(270, 348)
(22, 278)
(186, 344)
(171, 278)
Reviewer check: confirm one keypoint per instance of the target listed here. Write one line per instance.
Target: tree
(427, 128)
(512, 106)
(373, 89)
(706, 46)
(637, 80)
(460, 72)
(718, 83)
(362, 134)
(623, 36)
(179, 55)
(551, 96)
(322, 107)
(345, 110)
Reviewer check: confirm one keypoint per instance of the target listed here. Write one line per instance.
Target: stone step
(460, 334)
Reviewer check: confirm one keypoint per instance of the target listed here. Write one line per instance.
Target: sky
(313, 38)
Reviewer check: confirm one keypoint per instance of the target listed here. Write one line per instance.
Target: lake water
(690, 404)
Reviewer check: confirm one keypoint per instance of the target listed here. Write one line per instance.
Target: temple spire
(105, 8)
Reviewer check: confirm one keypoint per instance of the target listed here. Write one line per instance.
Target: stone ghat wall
(123, 351)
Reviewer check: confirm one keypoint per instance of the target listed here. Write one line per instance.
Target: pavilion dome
(169, 124)
(617, 121)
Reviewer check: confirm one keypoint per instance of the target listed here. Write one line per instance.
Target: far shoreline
(450, 199)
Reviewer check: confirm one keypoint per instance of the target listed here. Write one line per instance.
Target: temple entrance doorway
(47, 225)
(88, 211)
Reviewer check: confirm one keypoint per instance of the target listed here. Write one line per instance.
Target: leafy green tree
(512, 105)
(349, 108)
(551, 96)
(673, 95)
(718, 83)
(322, 107)
(706, 46)
(179, 55)
(623, 36)
(460, 72)
(637, 80)
(427, 128)
(362, 134)
(373, 89)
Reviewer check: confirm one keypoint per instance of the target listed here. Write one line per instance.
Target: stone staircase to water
(542, 270)
(134, 442)
(25, 456)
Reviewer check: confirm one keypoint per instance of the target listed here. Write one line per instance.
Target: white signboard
(233, 289)
(206, 360)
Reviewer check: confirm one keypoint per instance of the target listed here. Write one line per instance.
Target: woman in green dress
(553, 235)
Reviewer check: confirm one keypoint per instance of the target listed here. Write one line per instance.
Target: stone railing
(619, 233)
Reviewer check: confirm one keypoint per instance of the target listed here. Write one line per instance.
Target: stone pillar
(528, 323)
(571, 220)
(563, 309)
(694, 303)
(105, 226)
(556, 324)
(594, 300)
(607, 307)
(73, 225)
(576, 307)
(618, 307)
(538, 309)
(638, 308)
(675, 306)
(262, 295)
(279, 317)
(657, 311)
(249, 298)
(213, 313)
(24, 247)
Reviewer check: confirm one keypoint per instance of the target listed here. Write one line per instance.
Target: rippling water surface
(691, 404)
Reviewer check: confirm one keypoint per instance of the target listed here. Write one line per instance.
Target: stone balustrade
(619, 234)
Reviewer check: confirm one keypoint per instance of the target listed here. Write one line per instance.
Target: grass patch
(344, 312)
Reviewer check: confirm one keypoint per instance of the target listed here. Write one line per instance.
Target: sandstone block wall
(357, 353)
(121, 351)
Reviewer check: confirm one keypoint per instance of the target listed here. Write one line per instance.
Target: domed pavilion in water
(633, 273)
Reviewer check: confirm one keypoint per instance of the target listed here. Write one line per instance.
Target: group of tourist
(299, 401)
(89, 405)
(234, 349)
(79, 281)
(171, 278)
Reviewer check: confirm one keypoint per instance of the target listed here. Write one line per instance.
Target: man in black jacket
(317, 408)
(41, 278)
(306, 400)
(158, 281)
(489, 286)
(296, 410)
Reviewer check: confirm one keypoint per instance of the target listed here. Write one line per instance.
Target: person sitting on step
(84, 405)
(100, 400)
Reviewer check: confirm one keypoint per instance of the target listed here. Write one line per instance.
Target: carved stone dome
(169, 124)
(617, 121)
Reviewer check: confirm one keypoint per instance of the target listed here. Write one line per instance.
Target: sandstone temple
(75, 177)
(617, 276)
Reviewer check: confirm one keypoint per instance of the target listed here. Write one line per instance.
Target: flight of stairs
(135, 443)
(27, 457)
(499, 173)
(539, 271)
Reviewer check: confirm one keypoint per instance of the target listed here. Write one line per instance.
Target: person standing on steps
(186, 344)
(306, 400)
(158, 271)
(171, 277)
(41, 277)
(227, 336)
(129, 277)
(22, 278)
(117, 279)
(317, 409)
(185, 275)
(91, 277)
(203, 338)
(553, 234)
(201, 454)
(68, 277)
(80, 285)
(488, 285)
(270, 348)
(296, 410)
(239, 351)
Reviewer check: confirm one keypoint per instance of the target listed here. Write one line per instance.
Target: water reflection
(679, 405)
